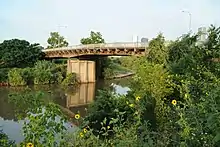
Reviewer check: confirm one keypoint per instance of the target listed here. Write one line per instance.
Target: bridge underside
(94, 52)
(89, 63)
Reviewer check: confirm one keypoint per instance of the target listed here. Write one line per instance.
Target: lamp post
(190, 19)
(58, 32)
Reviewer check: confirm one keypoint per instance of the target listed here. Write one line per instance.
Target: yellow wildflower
(131, 105)
(108, 127)
(174, 102)
(81, 134)
(77, 116)
(30, 145)
(85, 130)
(138, 98)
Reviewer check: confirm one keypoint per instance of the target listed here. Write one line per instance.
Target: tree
(94, 38)
(181, 47)
(55, 40)
(19, 53)
(158, 50)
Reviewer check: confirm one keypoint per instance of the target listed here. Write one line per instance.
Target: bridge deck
(108, 49)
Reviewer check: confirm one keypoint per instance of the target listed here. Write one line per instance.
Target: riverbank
(4, 84)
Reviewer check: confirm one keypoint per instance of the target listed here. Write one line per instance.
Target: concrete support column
(85, 70)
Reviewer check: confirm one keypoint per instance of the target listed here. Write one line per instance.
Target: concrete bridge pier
(84, 69)
(87, 71)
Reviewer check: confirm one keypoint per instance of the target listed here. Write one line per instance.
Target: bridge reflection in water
(82, 96)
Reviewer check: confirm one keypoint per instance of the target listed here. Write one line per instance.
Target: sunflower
(81, 134)
(77, 116)
(85, 130)
(138, 98)
(174, 102)
(29, 145)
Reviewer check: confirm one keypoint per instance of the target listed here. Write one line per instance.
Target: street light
(190, 19)
(59, 31)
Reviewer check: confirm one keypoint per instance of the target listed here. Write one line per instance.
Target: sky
(117, 20)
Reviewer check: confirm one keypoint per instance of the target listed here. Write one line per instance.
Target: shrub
(4, 74)
(19, 77)
(108, 73)
(46, 72)
(5, 141)
(71, 79)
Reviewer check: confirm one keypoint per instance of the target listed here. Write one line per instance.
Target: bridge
(89, 66)
(103, 49)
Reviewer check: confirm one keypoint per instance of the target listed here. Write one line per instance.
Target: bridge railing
(102, 45)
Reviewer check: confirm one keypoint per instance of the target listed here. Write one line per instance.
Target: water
(71, 99)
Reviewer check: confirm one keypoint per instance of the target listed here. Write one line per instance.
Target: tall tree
(94, 38)
(158, 50)
(19, 53)
(56, 40)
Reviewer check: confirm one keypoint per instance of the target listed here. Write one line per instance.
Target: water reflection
(75, 99)
(84, 95)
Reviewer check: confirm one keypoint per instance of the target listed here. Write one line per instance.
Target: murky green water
(73, 99)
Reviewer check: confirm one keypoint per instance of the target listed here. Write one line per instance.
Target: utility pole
(190, 19)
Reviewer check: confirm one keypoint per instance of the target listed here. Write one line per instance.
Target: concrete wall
(85, 70)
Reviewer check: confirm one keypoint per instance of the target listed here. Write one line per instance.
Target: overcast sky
(117, 20)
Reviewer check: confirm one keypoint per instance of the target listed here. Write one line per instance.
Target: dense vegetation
(22, 63)
(173, 101)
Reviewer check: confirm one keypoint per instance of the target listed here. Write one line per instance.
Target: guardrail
(101, 45)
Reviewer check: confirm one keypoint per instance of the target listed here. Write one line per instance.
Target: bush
(19, 77)
(108, 73)
(63, 69)
(71, 79)
(5, 141)
(46, 72)
(4, 74)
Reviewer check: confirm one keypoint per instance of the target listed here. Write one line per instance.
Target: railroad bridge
(88, 66)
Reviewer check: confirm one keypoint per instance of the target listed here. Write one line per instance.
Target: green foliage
(129, 62)
(55, 40)
(94, 38)
(5, 141)
(181, 47)
(109, 106)
(125, 136)
(19, 53)
(114, 121)
(174, 103)
(44, 120)
(26, 101)
(43, 127)
(4, 74)
(158, 51)
(71, 79)
(46, 72)
(19, 76)
(108, 73)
